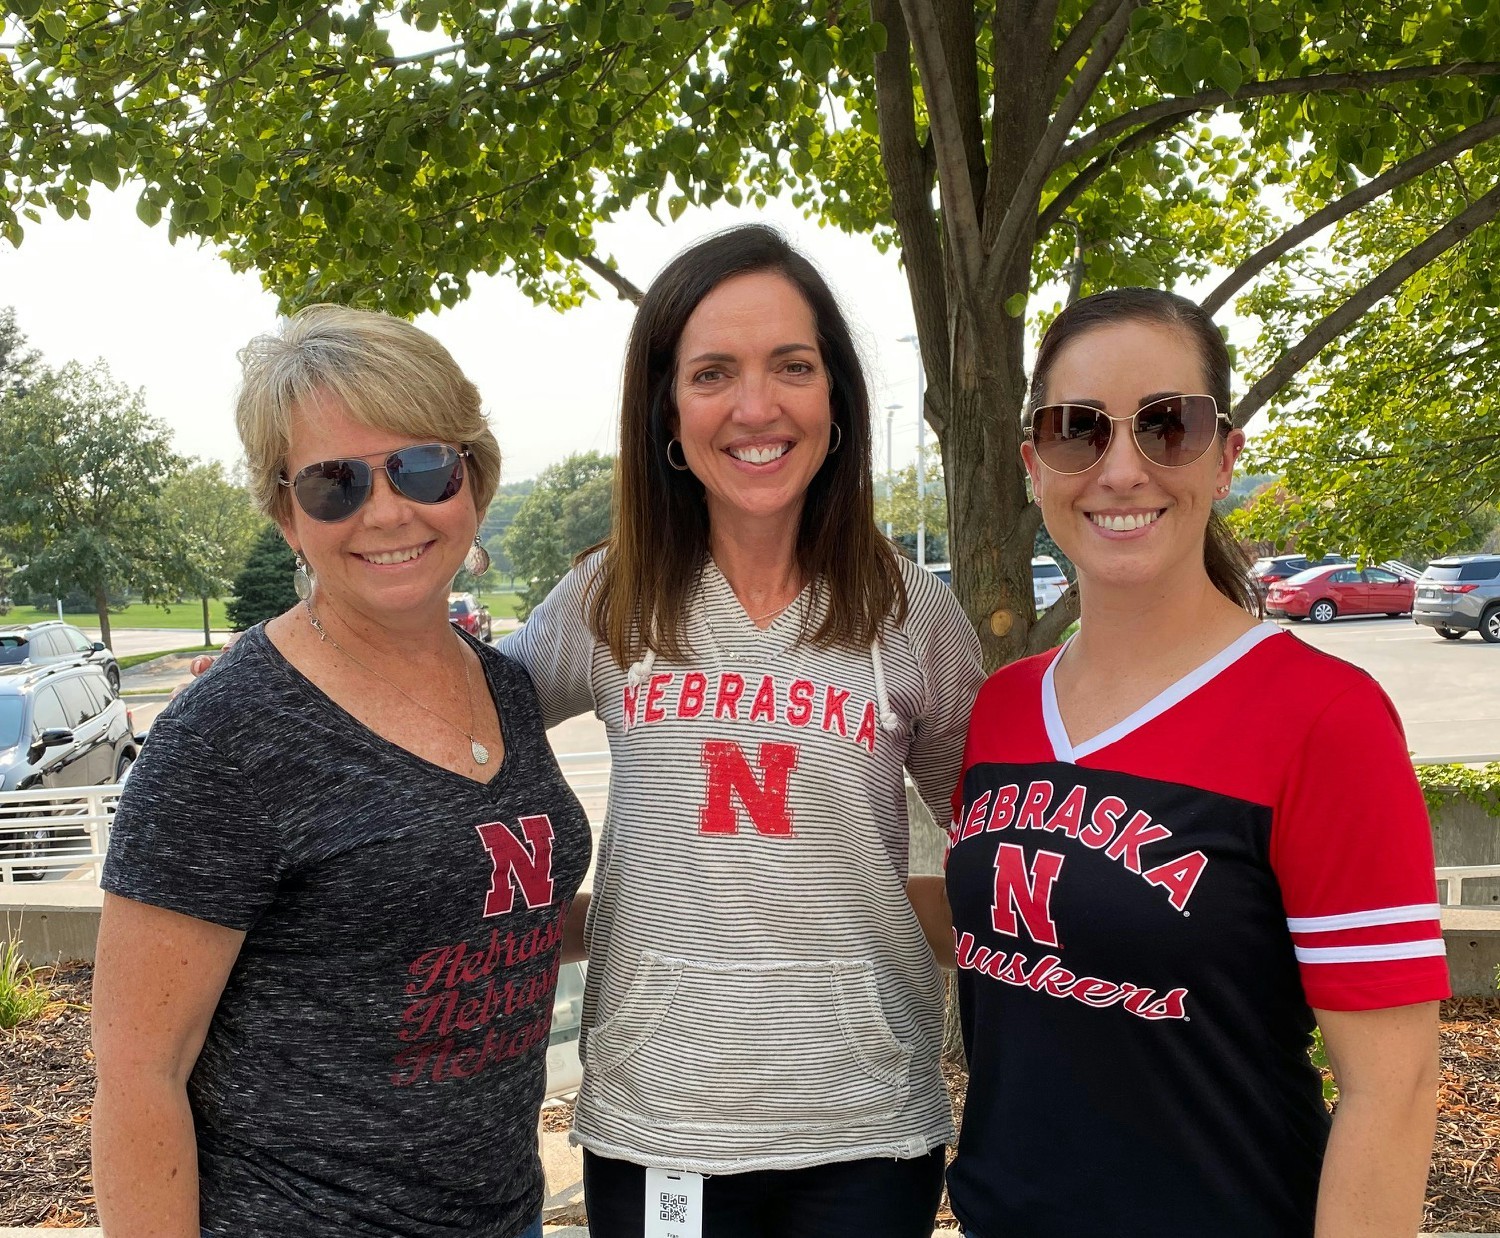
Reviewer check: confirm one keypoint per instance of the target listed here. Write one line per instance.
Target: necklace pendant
(480, 753)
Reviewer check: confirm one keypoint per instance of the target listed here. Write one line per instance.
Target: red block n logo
(763, 798)
(527, 865)
(1025, 891)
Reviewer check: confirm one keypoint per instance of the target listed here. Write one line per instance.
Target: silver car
(1460, 594)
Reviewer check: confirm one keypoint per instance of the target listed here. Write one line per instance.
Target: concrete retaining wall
(54, 920)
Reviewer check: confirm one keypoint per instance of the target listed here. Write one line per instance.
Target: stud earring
(302, 583)
(477, 561)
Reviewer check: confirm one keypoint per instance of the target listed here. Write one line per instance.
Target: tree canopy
(567, 511)
(218, 523)
(81, 478)
(263, 589)
(383, 154)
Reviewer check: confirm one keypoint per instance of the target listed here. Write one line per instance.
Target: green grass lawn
(188, 616)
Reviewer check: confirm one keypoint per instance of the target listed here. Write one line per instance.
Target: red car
(465, 611)
(1323, 593)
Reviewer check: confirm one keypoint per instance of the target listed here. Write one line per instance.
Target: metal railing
(1453, 882)
(45, 835)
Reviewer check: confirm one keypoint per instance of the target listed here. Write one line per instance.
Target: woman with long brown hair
(762, 1005)
(1164, 872)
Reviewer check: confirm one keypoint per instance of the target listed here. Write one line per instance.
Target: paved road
(1447, 692)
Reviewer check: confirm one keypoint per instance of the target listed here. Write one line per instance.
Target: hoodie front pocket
(696, 1045)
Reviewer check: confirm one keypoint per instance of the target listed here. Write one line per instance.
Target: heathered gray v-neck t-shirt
(378, 1056)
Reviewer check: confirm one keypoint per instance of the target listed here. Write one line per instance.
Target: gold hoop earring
(683, 467)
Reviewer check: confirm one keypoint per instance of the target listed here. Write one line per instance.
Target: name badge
(674, 1204)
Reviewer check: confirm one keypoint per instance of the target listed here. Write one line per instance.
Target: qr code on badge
(674, 1208)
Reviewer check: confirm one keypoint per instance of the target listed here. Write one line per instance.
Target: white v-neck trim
(1064, 749)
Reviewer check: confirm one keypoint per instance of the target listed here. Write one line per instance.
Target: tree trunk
(991, 521)
(208, 637)
(101, 605)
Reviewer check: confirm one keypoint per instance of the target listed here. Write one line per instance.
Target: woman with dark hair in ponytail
(1162, 876)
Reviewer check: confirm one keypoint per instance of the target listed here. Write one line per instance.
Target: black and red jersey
(1145, 922)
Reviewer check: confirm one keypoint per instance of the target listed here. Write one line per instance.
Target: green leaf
(1015, 304)
(1228, 74)
(1168, 46)
(148, 211)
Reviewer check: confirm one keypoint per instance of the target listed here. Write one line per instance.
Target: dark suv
(1460, 594)
(1267, 572)
(52, 640)
(61, 726)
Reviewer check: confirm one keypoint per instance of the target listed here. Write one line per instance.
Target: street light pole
(890, 478)
(921, 452)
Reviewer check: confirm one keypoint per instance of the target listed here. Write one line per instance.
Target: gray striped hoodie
(760, 995)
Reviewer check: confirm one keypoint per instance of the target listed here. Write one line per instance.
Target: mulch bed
(47, 1092)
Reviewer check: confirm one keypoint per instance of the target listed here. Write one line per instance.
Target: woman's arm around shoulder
(947, 650)
(158, 976)
(556, 646)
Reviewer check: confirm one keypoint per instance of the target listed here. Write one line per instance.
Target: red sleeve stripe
(1371, 954)
(1363, 919)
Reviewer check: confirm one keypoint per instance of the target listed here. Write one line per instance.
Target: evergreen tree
(264, 588)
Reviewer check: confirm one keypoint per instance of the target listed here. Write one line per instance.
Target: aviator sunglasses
(1173, 431)
(333, 490)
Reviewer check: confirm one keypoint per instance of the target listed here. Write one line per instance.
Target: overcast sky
(169, 319)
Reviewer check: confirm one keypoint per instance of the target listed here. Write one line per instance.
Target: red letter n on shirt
(1029, 893)
(527, 865)
(764, 798)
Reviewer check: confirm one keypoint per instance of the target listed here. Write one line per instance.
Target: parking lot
(1447, 692)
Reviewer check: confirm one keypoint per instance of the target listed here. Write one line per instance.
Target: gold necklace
(771, 614)
(478, 751)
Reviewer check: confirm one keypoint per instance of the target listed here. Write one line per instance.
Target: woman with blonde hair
(337, 880)
(763, 1013)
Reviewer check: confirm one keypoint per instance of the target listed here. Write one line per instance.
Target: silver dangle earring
(838, 439)
(683, 467)
(477, 561)
(302, 583)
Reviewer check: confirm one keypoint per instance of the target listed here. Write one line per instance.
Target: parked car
(1461, 594)
(1267, 572)
(51, 641)
(1048, 581)
(465, 610)
(1323, 593)
(61, 726)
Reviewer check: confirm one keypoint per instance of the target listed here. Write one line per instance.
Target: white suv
(1048, 583)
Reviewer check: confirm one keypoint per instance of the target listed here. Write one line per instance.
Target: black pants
(876, 1198)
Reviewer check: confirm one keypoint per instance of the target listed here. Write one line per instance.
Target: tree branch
(910, 184)
(1020, 213)
(1347, 205)
(960, 216)
(1053, 622)
(626, 290)
(1350, 312)
(1311, 84)
(1073, 190)
(1065, 59)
